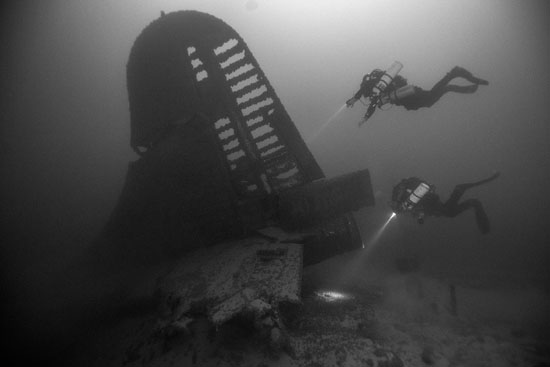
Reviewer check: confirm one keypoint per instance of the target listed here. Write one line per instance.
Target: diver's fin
(477, 183)
(458, 71)
(481, 81)
(482, 220)
(494, 176)
(350, 102)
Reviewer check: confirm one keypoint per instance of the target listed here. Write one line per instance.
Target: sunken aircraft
(224, 182)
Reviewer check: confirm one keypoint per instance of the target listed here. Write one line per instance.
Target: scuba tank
(380, 86)
(397, 94)
(416, 195)
(387, 78)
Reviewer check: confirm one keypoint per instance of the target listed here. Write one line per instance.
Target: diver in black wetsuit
(367, 84)
(412, 97)
(415, 196)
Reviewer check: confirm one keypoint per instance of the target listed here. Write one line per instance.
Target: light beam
(324, 126)
(354, 266)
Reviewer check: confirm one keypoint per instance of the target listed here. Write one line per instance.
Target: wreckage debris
(224, 183)
(219, 156)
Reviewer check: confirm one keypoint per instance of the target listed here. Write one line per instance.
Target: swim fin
(458, 71)
(482, 220)
(467, 186)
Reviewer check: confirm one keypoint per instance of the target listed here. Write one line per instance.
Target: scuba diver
(399, 93)
(417, 197)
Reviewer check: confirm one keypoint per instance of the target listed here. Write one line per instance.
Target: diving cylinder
(416, 195)
(380, 86)
(397, 94)
(387, 78)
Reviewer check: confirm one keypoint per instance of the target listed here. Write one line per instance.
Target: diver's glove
(370, 112)
(350, 102)
(395, 206)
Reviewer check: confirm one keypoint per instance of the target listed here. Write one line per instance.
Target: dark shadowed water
(65, 125)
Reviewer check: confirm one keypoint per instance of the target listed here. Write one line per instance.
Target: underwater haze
(66, 127)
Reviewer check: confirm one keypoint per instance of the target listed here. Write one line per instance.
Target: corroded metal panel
(319, 201)
(188, 63)
(333, 237)
(176, 197)
(219, 155)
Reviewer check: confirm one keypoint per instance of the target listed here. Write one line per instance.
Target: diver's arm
(350, 102)
(364, 90)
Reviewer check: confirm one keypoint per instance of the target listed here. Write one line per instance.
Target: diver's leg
(451, 203)
(442, 87)
(423, 98)
(460, 189)
(436, 93)
(452, 209)
(458, 71)
(441, 84)
(461, 88)
(482, 219)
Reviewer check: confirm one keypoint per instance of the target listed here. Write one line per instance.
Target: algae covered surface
(375, 318)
